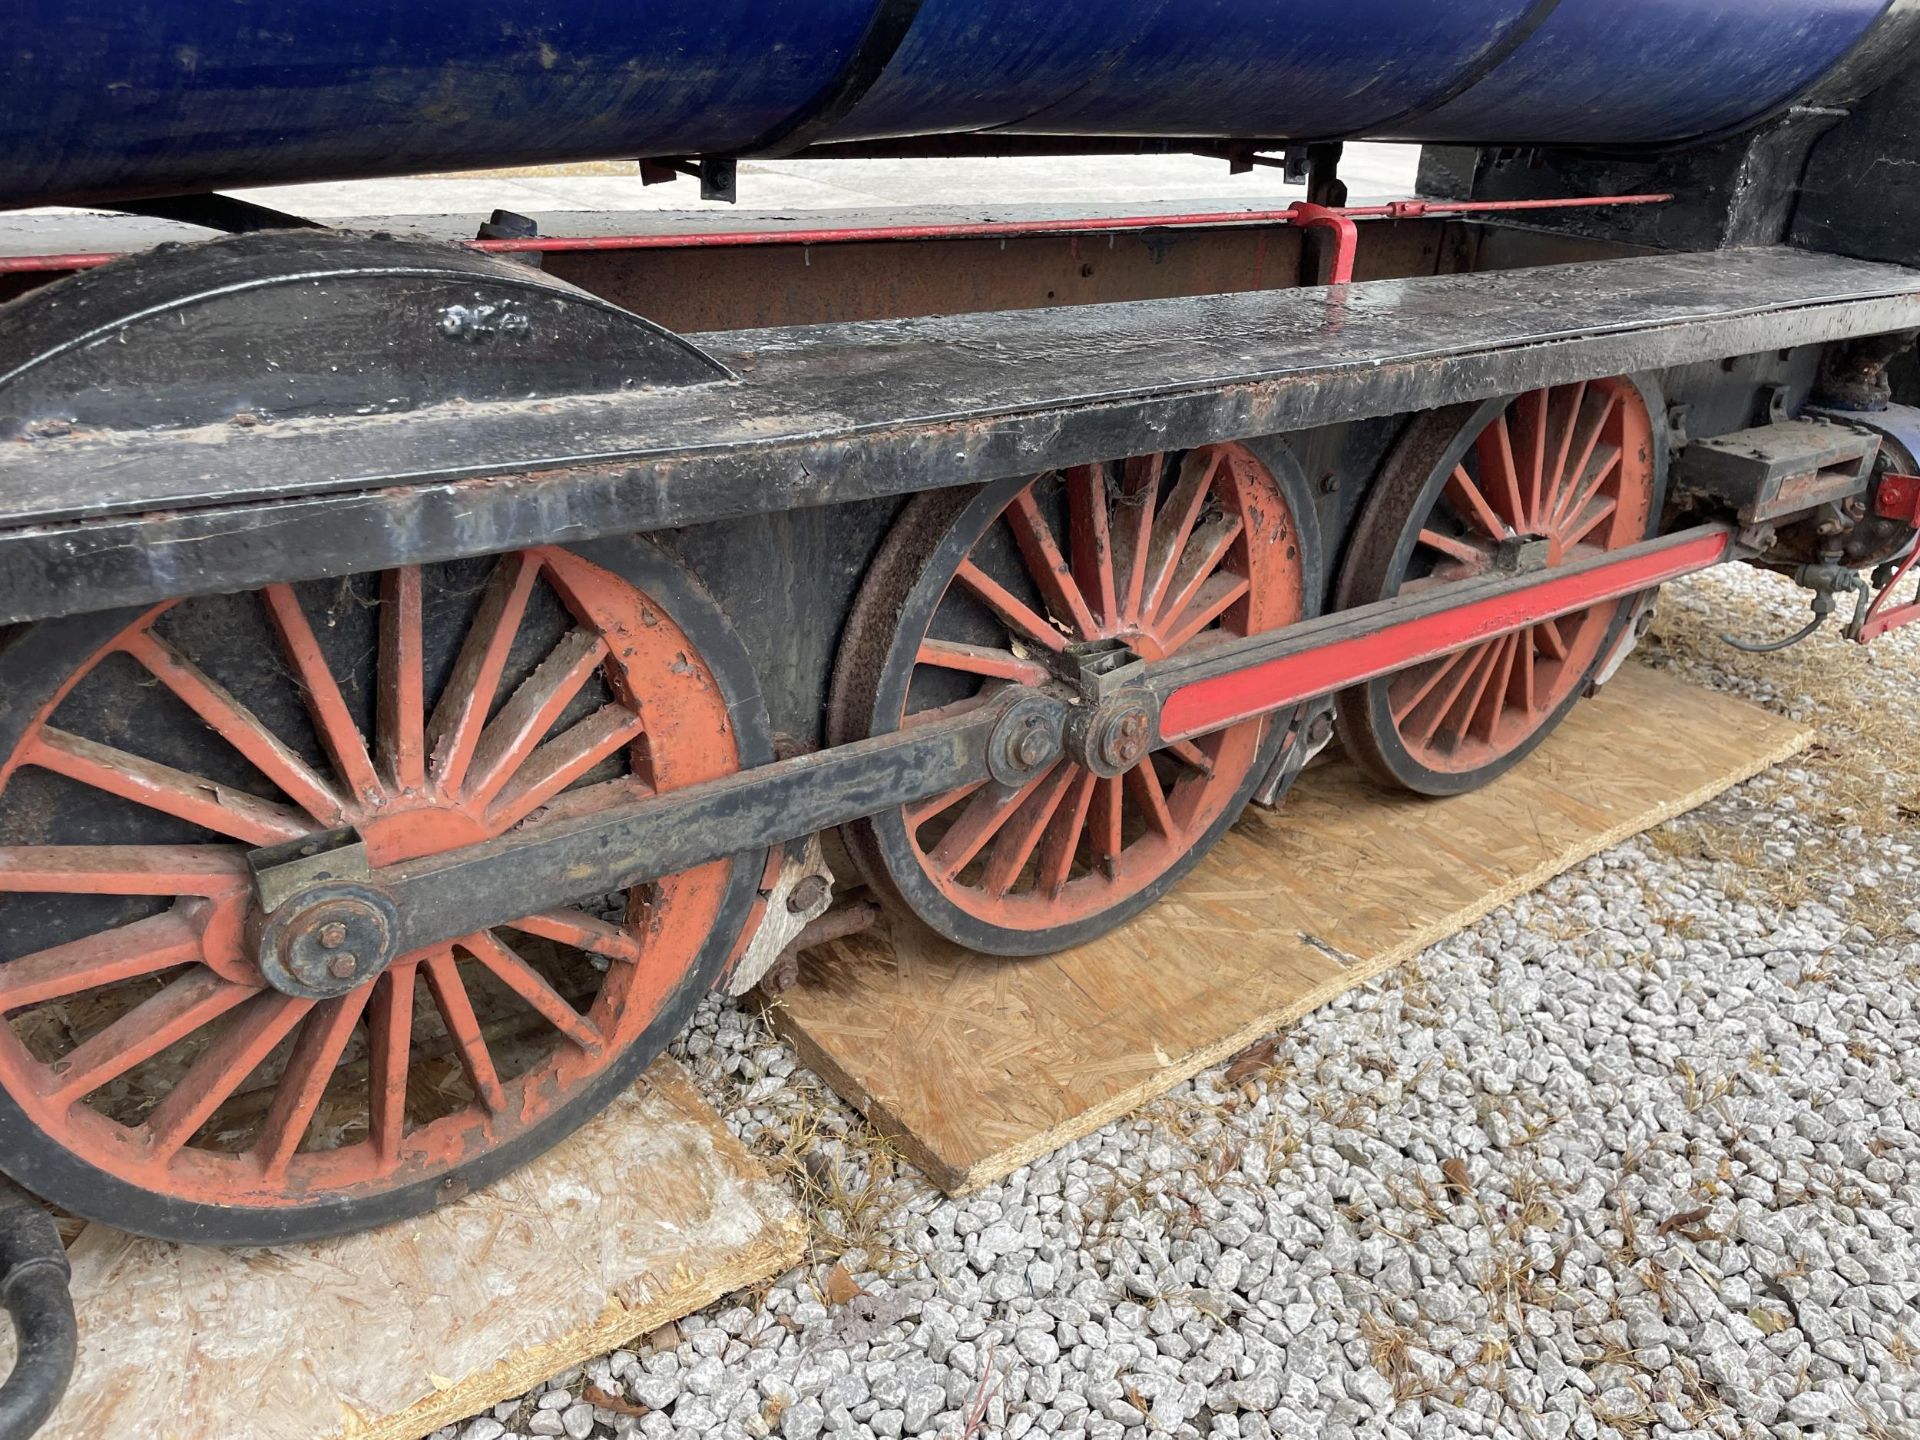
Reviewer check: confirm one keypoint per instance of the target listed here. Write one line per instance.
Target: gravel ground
(1635, 1156)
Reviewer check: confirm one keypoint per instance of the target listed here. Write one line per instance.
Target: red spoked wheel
(977, 590)
(1570, 472)
(148, 1075)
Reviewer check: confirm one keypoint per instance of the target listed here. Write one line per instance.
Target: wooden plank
(977, 1066)
(648, 1213)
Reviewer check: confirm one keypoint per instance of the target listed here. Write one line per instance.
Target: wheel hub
(1118, 718)
(328, 940)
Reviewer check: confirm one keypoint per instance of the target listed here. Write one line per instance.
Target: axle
(335, 920)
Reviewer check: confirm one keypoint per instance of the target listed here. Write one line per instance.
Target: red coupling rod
(1300, 213)
(1353, 652)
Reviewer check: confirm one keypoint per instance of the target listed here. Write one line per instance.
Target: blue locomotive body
(150, 97)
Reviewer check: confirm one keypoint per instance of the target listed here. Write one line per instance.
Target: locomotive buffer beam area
(333, 921)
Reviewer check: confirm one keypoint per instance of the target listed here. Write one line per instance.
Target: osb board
(976, 1066)
(646, 1214)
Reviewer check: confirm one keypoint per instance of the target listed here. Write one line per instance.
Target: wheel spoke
(1475, 558)
(1523, 676)
(1485, 669)
(1143, 784)
(1107, 822)
(1457, 718)
(1216, 597)
(986, 812)
(1484, 719)
(1047, 566)
(1588, 427)
(919, 814)
(456, 1009)
(467, 699)
(1192, 756)
(583, 932)
(303, 1084)
(197, 998)
(1529, 438)
(1018, 839)
(1451, 693)
(1013, 611)
(1091, 540)
(1173, 526)
(987, 661)
(126, 952)
(1583, 525)
(1602, 464)
(1062, 840)
(249, 1036)
(1135, 513)
(563, 760)
(1494, 447)
(533, 709)
(236, 724)
(210, 870)
(526, 982)
(400, 725)
(1471, 501)
(1208, 549)
(1551, 638)
(1567, 401)
(339, 736)
(389, 1054)
(1438, 670)
(205, 803)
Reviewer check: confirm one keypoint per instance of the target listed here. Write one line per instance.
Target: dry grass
(1863, 779)
(1390, 1351)
(851, 1190)
(850, 1179)
(1699, 1088)
(1867, 763)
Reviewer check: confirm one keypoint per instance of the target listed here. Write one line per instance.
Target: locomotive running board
(438, 898)
(824, 414)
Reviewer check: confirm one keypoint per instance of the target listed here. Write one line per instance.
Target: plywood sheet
(648, 1213)
(977, 1065)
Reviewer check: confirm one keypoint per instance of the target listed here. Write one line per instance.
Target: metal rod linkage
(448, 895)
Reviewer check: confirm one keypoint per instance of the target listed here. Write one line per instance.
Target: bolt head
(808, 892)
(1123, 742)
(327, 940)
(1032, 749)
